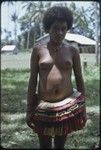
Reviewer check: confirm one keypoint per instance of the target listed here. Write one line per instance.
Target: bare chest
(61, 59)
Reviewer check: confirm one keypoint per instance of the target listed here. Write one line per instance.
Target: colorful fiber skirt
(60, 118)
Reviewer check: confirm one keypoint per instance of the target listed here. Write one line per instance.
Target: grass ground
(14, 131)
(22, 60)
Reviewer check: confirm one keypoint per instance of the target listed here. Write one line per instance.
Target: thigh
(45, 141)
(59, 141)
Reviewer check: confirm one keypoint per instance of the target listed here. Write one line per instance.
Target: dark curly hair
(57, 13)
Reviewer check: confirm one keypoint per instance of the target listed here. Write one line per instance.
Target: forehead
(59, 23)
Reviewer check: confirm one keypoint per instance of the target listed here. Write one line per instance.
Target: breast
(66, 64)
(45, 64)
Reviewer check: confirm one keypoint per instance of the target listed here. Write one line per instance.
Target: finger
(32, 124)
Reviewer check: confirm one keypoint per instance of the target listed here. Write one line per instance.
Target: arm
(31, 95)
(78, 71)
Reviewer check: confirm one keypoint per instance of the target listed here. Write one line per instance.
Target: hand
(29, 120)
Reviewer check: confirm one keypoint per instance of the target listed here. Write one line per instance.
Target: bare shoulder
(75, 53)
(71, 48)
(36, 47)
(35, 50)
(75, 50)
(39, 46)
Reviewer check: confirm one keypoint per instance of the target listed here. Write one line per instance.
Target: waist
(75, 96)
(56, 94)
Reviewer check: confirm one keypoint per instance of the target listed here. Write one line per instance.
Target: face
(58, 31)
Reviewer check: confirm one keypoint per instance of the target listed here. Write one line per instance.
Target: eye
(56, 29)
(64, 29)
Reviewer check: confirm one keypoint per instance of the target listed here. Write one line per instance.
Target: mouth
(59, 38)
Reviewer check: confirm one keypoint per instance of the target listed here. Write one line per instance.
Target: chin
(58, 41)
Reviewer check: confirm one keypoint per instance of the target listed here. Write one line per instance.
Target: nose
(60, 32)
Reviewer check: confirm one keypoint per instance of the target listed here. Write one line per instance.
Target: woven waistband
(75, 96)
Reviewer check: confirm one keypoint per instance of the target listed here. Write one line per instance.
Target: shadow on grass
(14, 131)
(14, 86)
(16, 134)
(92, 90)
(14, 99)
(88, 137)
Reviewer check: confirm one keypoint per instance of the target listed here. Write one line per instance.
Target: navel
(56, 91)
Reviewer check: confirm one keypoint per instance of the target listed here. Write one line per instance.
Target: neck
(55, 44)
